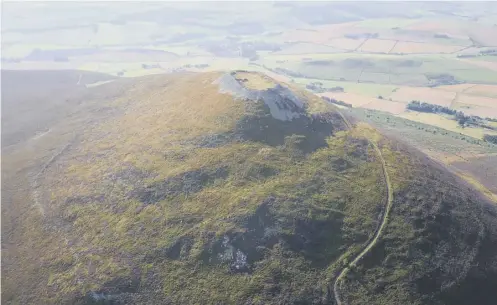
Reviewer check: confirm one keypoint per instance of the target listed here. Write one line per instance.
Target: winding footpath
(380, 229)
(36, 186)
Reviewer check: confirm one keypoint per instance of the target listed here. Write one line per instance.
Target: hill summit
(233, 188)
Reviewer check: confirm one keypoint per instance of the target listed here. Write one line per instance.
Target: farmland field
(405, 47)
(457, 88)
(475, 75)
(320, 33)
(445, 123)
(367, 54)
(432, 139)
(345, 43)
(306, 48)
(478, 101)
(492, 65)
(386, 106)
(419, 70)
(366, 89)
(331, 73)
(385, 23)
(371, 77)
(427, 95)
(483, 90)
(359, 54)
(408, 79)
(377, 46)
(307, 36)
(483, 35)
(476, 110)
(407, 35)
(488, 58)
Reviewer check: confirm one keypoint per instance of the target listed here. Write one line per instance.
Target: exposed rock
(283, 104)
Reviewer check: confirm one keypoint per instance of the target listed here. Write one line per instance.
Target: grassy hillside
(231, 188)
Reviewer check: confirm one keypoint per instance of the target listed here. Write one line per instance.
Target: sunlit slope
(231, 188)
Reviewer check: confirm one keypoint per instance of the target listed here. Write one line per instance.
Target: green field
(385, 23)
(367, 89)
(426, 137)
(485, 58)
(372, 77)
(383, 69)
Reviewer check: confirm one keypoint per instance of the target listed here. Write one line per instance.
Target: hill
(230, 188)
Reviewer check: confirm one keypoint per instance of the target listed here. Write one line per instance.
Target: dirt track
(378, 232)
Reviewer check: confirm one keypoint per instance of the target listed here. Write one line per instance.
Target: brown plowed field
(386, 106)
(477, 100)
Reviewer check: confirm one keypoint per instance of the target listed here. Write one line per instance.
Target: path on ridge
(381, 227)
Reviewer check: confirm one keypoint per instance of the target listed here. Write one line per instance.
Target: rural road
(381, 227)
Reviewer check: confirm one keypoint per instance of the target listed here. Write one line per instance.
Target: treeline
(362, 36)
(461, 118)
(287, 72)
(464, 120)
(440, 79)
(488, 52)
(431, 108)
(490, 138)
(335, 101)
(443, 36)
(318, 87)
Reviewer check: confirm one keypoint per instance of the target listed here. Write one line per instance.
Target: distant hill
(227, 188)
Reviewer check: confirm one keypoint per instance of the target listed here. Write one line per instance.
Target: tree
(461, 118)
(490, 138)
